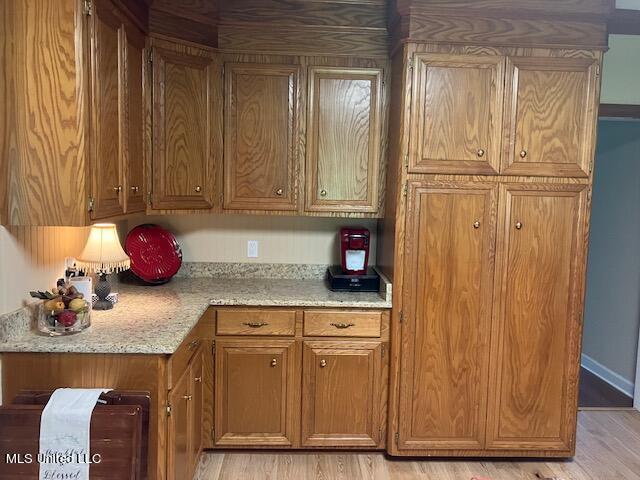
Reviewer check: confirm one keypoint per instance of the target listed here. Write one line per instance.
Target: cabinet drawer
(256, 322)
(342, 324)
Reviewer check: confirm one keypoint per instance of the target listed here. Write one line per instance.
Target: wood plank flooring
(608, 448)
(596, 393)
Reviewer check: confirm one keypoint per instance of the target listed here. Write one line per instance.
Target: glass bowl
(54, 320)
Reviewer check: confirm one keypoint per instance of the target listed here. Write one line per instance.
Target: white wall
(32, 258)
(612, 309)
(621, 70)
(223, 238)
(628, 4)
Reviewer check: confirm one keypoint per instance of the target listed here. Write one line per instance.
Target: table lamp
(103, 255)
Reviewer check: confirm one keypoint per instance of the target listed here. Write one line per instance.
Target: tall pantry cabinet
(493, 182)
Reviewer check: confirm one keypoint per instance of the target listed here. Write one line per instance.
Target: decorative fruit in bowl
(63, 311)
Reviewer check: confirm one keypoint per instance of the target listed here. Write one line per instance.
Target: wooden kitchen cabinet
(187, 108)
(456, 120)
(116, 160)
(342, 401)
(185, 408)
(74, 113)
(134, 179)
(449, 255)
(551, 112)
(260, 130)
(179, 429)
(535, 352)
(255, 392)
(343, 139)
(108, 102)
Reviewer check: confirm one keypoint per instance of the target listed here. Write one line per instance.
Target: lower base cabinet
(254, 391)
(341, 394)
(323, 391)
(184, 432)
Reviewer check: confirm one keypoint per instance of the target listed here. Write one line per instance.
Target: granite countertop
(155, 320)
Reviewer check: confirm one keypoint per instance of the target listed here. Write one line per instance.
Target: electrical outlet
(252, 249)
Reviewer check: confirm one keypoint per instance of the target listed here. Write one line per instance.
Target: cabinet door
(107, 112)
(538, 310)
(178, 441)
(260, 137)
(456, 119)
(184, 155)
(551, 107)
(341, 394)
(343, 139)
(447, 308)
(254, 392)
(197, 392)
(134, 159)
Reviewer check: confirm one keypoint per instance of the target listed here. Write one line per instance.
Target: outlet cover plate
(252, 249)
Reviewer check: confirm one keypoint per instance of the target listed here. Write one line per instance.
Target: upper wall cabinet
(260, 154)
(134, 160)
(116, 155)
(343, 139)
(457, 109)
(551, 107)
(186, 157)
(73, 112)
(108, 118)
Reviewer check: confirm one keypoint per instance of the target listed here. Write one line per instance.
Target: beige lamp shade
(103, 252)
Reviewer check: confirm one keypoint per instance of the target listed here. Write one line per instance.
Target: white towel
(64, 433)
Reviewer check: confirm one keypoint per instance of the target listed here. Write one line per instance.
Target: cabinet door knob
(134, 189)
(117, 189)
(274, 362)
(523, 153)
(279, 192)
(198, 189)
(323, 363)
(323, 193)
(476, 224)
(518, 225)
(187, 397)
(481, 152)
(197, 379)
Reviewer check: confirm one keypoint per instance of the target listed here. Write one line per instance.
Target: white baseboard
(612, 378)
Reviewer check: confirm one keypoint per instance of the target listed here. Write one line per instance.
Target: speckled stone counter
(155, 320)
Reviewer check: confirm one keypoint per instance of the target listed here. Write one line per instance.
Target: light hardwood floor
(608, 449)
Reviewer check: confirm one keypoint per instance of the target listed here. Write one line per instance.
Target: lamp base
(102, 290)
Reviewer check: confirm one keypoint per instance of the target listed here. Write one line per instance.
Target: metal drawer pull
(323, 363)
(197, 379)
(476, 224)
(187, 397)
(523, 153)
(342, 325)
(198, 189)
(279, 192)
(255, 324)
(518, 225)
(274, 362)
(193, 344)
(480, 152)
